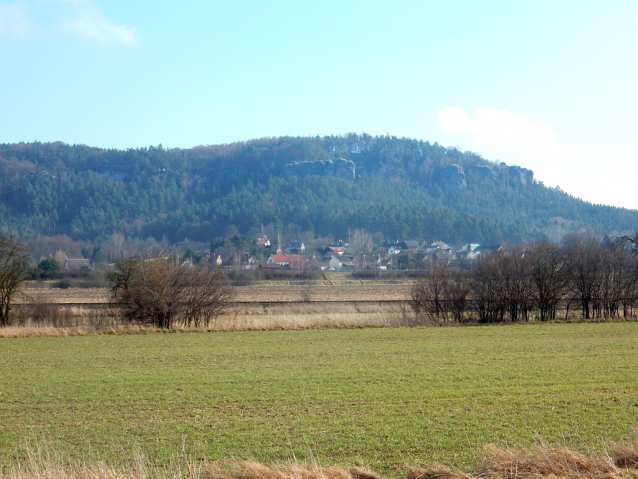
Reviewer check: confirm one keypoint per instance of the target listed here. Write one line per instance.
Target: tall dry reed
(545, 462)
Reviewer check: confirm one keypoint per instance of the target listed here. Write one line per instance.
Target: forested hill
(399, 187)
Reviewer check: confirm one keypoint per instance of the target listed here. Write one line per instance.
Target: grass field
(381, 398)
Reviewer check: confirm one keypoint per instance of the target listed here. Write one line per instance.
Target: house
(248, 261)
(438, 255)
(348, 263)
(216, 259)
(469, 251)
(332, 250)
(470, 254)
(394, 249)
(469, 247)
(483, 250)
(77, 265)
(335, 263)
(293, 261)
(436, 246)
(390, 262)
(409, 245)
(262, 241)
(295, 247)
(443, 255)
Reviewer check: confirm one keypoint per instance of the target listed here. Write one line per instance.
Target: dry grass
(502, 464)
(315, 315)
(50, 319)
(319, 292)
(310, 320)
(254, 470)
(545, 462)
(34, 330)
(64, 296)
(139, 468)
(258, 293)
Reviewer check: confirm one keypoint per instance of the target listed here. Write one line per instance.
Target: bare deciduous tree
(489, 287)
(162, 292)
(549, 277)
(629, 242)
(510, 284)
(360, 240)
(584, 256)
(617, 278)
(442, 292)
(14, 265)
(628, 281)
(459, 294)
(429, 293)
(517, 283)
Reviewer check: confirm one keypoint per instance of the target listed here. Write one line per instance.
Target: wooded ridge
(399, 187)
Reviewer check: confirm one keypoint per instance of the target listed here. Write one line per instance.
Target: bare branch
(14, 265)
(161, 291)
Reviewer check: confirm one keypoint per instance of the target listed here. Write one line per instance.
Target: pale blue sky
(548, 85)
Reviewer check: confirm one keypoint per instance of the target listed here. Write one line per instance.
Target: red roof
(288, 258)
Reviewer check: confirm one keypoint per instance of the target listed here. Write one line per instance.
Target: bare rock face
(518, 175)
(450, 177)
(484, 172)
(338, 167)
(503, 174)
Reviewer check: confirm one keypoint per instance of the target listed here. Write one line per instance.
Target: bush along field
(382, 399)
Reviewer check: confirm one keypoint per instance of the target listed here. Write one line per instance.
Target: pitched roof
(287, 258)
(76, 264)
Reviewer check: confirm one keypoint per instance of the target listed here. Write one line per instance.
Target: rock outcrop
(338, 167)
(517, 175)
(507, 175)
(484, 172)
(450, 177)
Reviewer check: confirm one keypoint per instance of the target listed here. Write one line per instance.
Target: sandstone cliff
(338, 167)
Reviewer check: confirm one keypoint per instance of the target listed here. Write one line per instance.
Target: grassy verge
(618, 463)
(377, 398)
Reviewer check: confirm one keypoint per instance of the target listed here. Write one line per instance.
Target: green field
(383, 398)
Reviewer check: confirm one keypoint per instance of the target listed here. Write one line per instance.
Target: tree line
(534, 281)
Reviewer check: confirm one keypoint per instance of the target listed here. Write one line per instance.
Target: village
(389, 255)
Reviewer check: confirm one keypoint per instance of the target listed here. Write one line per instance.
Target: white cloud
(94, 25)
(504, 130)
(14, 20)
(80, 17)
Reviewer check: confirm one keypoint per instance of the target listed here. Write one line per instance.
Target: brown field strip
(256, 293)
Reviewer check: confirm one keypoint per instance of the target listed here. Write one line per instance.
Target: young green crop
(376, 397)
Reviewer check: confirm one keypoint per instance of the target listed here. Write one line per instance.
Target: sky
(547, 85)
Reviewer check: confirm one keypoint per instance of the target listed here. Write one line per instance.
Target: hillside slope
(395, 186)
